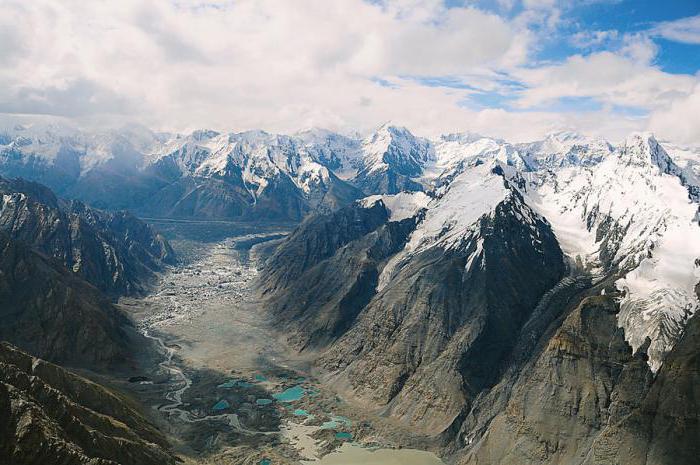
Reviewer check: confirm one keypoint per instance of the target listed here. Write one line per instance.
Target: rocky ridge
(49, 415)
(114, 251)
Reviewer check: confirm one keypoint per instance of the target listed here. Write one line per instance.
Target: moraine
(222, 370)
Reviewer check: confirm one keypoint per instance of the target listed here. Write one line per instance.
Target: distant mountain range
(256, 175)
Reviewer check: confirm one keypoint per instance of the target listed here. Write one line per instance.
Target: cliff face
(52, 313)
(48, 415)
(115, 252)
(584, 378)
(585, 398)
(664, 425)
(422, 342)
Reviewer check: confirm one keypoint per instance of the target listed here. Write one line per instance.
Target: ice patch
(400, 206)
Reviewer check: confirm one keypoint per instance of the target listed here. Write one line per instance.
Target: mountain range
(530, 306)
(514, 302)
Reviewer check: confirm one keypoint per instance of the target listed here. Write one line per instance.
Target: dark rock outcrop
(52, 313)
(51, 416)
(429, 341)
(116, 252)
(318, 301)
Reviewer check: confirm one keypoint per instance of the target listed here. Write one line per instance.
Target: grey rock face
(584, 378)
(52, 313)
(584, 398)
(428, 342)
(319, 300)
(663, 427)
(115, 252)
(386, 182)
(49, 415)
(317, 239)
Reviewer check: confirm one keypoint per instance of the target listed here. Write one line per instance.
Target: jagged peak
(390, 132)
(642, 149)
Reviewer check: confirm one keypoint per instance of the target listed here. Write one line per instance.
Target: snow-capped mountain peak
(628, 214)
(397, 148)
(642, 149)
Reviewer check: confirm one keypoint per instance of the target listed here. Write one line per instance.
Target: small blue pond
(263, 401)
(260, 378)
(343, 435)
(221, 405)
(291, 394)
(265, 462)
(301, 413)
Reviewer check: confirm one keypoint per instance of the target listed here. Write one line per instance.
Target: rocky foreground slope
(54, 258)
(61, 266)
(51, 416)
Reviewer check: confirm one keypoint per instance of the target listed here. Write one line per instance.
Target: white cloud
(240, 63)
(589, 39)
(283, 65)
(681, 121)
(610, 78)
(686, 30)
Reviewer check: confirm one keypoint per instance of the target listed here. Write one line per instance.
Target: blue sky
(509, 68)
(587, 27)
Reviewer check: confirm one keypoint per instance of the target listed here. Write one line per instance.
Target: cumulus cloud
(342, 64)
(681, 121)
(239, 63)
(589, 39)
(686, 30)
(608, 77)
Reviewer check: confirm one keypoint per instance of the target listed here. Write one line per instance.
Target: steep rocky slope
(49, 415)
(328, 270)
(422, 294)
(115, 252)
(584, 397)
(664, 426)
(50, 312)
(527, 309)
(583, 378)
